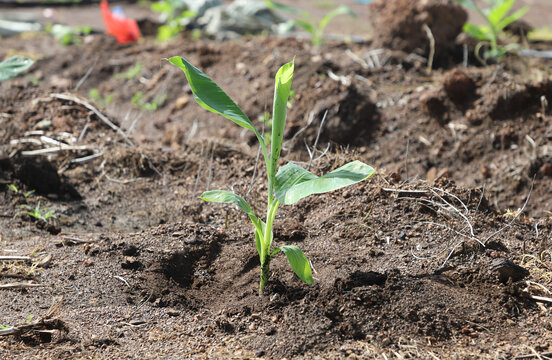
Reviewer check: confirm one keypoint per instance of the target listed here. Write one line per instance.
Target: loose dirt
(405, 263)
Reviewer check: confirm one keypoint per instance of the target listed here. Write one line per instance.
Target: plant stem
(267, 243)
(265, 272)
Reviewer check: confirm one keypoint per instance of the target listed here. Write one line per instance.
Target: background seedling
(14, 66)
(36, 212)
(68, 35)
(14, 188)
(497, 18)
(172, 15)
(287, 184)
(313, 27)
(95, 96)
(131, 73)
(138, 101)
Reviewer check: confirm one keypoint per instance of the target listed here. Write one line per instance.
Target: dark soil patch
(403, 266)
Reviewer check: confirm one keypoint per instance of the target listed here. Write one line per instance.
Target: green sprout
(138, 101)
(14, 188)
(130, 73)
(95, 96)
(68, 35)
(287, 184)
(14, 66)
(313, 27)
(36, 212)
(497, 19)
(172, 16)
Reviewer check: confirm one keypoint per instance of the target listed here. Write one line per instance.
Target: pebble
(173, 312)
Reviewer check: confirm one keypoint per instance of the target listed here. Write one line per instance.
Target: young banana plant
(287, 184)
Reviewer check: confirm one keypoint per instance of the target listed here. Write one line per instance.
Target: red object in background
(125, 30)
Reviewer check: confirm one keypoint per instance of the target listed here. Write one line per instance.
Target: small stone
(259, 353)
(45, 262)
(131, 263)
(173, 312)
(431, 174)
(252, 326)
(181, 102)
(255, 316)
(434, 104)
(459, 87)
(87, 263)
(508, 270)
(130, 250)
(546, 169)
(208, 331)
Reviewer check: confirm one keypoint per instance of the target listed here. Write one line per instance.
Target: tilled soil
(141, 268)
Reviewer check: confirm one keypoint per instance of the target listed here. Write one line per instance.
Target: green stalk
(494, 33)
(267, 243)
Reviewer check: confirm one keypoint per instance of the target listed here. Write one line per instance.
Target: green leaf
(341, 10)
(294, 183)
(161, 7)
(499, 12)
(477, 32)
(210, 96)
(227, 197)
(14, 66)
(258, 242)
(298, 261)
(467, 3)
(281, 7)
(305, 25)
(283, 80)
(514, 17)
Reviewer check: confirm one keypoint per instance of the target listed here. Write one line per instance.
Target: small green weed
(313, 27)
(68, 35)
(287, 184)
(95, 96)
(14, 66)
(14, 188)
(130, 73)
(497, 18)
(36, 212)
(138, 101)
(172, 15)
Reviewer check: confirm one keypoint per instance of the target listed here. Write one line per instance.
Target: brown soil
(404, 267)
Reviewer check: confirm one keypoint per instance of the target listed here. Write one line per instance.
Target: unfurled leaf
(294, 183)
(497, 13)
(227, 197)
(283, 80)
(511, 18)
(341, 10)
(478, 32)
(14, 66)
(298, 261)
(210, 96)
(305, 25)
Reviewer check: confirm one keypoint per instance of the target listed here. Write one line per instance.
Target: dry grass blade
(90, 107)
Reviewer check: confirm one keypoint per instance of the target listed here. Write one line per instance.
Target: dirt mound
(399, 24)
(402, 266)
